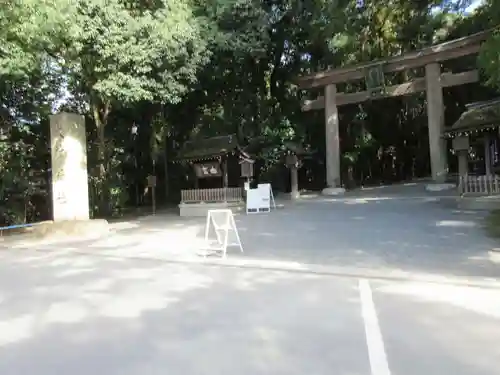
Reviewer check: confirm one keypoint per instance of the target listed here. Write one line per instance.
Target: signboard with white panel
(260, 199)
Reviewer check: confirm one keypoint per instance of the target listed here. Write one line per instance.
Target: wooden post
(487, 154)
(225, 178)
(435, 119)
(332, 138)
(463, 162)
(461, 147)
(153, 199)
(294, 182)
(151, 182)
(165, 168)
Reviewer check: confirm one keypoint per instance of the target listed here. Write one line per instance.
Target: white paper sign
(259, 199)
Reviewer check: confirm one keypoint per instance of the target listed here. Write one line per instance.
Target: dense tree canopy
(178, 69)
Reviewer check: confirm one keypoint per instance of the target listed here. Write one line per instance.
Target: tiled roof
(209, 148)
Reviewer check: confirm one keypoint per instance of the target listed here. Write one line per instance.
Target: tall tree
(119, 52)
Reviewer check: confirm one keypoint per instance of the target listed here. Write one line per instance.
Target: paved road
(95, 307)
(84, 314)
(391, 232)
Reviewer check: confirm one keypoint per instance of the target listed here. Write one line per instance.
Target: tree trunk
(100, 118)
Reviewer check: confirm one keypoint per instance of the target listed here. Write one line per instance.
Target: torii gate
(433, 83)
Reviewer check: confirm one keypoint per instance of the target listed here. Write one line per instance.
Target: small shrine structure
(220, 166)
(476, 141)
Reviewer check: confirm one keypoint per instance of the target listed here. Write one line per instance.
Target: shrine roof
(480, 116)
(211, 148)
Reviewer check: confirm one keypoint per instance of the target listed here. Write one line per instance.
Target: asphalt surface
(313, 293)
(404, 233)
(88, 314)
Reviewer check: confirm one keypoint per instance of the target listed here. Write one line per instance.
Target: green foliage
(123, 54)
(116, 53)
(489, 60)
(184, 67)
(489, 57)
(18, 167)
(31, 32)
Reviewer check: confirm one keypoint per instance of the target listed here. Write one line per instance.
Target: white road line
(374, 341)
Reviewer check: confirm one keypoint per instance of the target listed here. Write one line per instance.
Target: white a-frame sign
(220, 232)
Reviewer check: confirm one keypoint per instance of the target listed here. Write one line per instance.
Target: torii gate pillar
(332, 138)
(435, 119)
(433, 84)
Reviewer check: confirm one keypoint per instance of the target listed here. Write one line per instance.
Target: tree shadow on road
(81, 314)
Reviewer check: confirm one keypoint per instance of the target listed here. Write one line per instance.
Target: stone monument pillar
(70, 191)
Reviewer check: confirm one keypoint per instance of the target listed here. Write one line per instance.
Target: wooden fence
(485, 184)
(212, 195)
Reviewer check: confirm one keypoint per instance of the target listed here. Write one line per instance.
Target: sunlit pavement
(382, 234)
(86, 314)
(355, 285)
